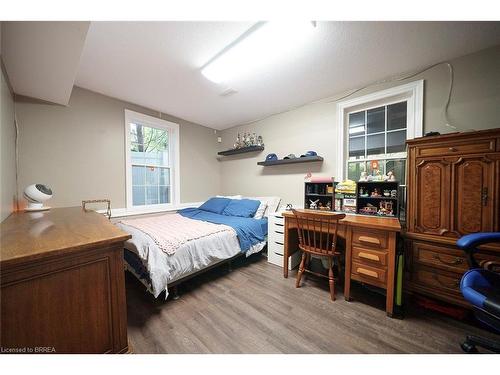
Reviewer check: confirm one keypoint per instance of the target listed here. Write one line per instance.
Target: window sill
(123, 212)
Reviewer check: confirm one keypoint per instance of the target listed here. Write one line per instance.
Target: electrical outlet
(219, 139)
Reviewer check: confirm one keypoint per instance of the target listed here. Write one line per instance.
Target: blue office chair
(481, 287)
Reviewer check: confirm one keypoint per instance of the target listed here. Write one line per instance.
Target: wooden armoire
(453, 189)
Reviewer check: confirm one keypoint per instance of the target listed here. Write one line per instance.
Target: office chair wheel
(468, 347)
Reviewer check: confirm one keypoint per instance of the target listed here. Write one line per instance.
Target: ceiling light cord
(333, 100)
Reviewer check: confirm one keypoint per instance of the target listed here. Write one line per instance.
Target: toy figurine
(362, 192)
(363, 177)
(385, 209)
(329, 205)
(387, 193)
(394, 193)
(376, 192)
(314, 204)
(391, 176)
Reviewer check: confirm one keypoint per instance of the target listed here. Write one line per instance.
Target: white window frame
(412, 93)
(173, 129)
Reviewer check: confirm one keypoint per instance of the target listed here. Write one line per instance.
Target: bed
(167, 249)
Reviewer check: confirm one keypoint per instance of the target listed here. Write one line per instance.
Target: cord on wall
(16, 149)
(333, 99)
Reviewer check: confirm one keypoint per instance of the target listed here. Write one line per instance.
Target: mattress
(191, 256)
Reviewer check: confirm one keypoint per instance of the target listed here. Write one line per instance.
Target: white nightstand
(276, 241)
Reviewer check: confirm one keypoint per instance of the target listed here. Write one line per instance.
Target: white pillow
(229, 196)
(268, 205)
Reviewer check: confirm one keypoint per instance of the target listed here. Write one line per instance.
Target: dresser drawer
(369, 274)
(458, 148)
(369, 256)
(277, 235)
(370, 239)
(440, 256)
(276, 246)
(277, 258)
(437, 280)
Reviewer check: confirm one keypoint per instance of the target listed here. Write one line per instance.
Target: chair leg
(301, 270)
(331, 280)
(471, 341)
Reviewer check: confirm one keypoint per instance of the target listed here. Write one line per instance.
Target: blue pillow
(215, 205)
(241, 207)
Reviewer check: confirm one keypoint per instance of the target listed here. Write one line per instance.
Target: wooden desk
(62, 283)
(370, 251)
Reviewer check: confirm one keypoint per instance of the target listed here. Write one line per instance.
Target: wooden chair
(317, 232)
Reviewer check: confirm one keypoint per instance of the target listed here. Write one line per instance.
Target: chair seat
(481, 288)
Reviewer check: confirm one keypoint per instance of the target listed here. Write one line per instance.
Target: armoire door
(432, 197)
(473, 185)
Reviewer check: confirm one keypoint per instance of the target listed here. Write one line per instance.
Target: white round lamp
(36, 194)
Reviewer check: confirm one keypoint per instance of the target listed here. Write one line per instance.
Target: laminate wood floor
(253, 309)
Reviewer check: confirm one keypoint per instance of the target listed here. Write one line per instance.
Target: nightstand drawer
(368, 238)
(369, 274)
(369, 256)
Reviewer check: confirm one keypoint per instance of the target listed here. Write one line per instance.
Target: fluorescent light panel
(266, 45)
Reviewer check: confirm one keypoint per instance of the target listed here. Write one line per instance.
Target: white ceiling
(157, 64)
(41, 58)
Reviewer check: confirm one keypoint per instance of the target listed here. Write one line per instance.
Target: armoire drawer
(442, 257)
(436, 279)
(458, 148)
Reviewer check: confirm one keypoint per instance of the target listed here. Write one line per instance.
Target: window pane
(396, 141)
(398, 167)
(375, 145)
(357, 123)
(375, 120)
(396, 116)
(138, 175)
(357, 147)
(148, 145)
(164, 176)
(138, 195)
(152, 175)
(164, 194)
(355, 169)
(151, 194)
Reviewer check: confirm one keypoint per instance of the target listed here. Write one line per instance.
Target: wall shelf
(305, 159)
(241, 150)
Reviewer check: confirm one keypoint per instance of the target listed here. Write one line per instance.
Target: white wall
(7, 150)
(475, 104)
(79, 150)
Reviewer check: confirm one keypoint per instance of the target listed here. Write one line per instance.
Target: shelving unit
(388, 198)
(319, 191)
(305, 159)
(241, 150)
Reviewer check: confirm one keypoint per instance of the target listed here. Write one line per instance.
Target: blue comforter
(250, 231)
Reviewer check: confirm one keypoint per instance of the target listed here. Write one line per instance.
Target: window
(376, 127)
(151, 161)
(377, 134)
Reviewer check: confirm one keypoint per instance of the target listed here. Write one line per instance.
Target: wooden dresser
(453, 190)
(62, 283)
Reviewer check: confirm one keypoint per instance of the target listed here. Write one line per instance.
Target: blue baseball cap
(309, 153)
(271, 157)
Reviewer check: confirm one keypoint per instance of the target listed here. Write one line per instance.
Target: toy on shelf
(390, 176)
(369, 209)
(314, 204)
(376, 193)
(385, 208)
(346, 187)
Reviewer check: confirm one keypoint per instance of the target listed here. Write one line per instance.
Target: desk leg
(285, 250)
(391, 269)
(348, 257)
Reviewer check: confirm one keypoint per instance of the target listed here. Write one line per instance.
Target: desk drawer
(277, 235)
(369, 274)
(370, 239)
(369, 256)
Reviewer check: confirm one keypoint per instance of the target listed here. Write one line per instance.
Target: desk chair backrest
(317, 231)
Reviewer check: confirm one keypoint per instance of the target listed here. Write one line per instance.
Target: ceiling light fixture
(262, 45)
